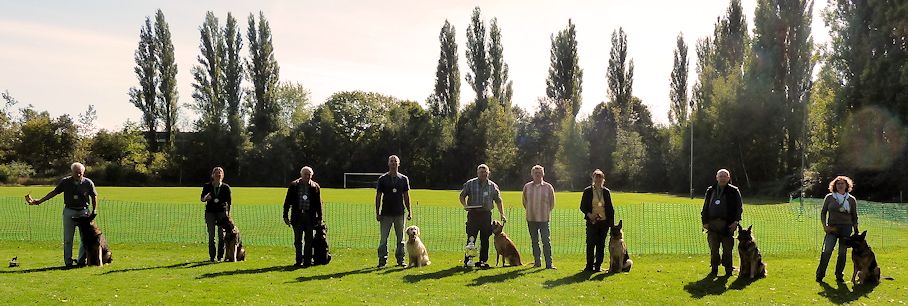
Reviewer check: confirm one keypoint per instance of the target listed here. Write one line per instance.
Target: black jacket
(291, 200)
(733, 203)
(586, 205)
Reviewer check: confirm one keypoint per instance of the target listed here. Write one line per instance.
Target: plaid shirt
(303, 197)
(481, 194)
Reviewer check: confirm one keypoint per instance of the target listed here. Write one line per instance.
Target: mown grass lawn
(177, 274)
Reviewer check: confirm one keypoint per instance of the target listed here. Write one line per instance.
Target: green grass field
(157, 238)
(175, 274)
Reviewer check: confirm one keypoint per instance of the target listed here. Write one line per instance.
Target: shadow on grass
(249, 271)
(581, 276)
(602, 276)
(173, 266)
(414, 278)
(742, 282)
(497, 278)
(36, 270)
(841, 294)
(334, 275)
(709, 285)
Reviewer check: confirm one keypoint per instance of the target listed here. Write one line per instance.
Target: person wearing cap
(722, 209)
(477, 197)
(77, 191)
(217, 198)
(392, 197)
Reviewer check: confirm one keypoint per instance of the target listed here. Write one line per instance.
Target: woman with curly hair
(839, 217)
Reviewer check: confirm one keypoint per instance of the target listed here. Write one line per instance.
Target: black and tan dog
(865, 267)
(751, 259)
(234, 250)
(320, 252)
(618, 258)
(97, 251)
(505, 248)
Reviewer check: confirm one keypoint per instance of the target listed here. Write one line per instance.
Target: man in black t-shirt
(77, 190)
(392, 196)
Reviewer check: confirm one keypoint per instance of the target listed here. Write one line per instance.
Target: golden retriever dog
(751, 259)
(505, 248)
(416, 251)
(97, 251)
(618, 259)
(234, 250)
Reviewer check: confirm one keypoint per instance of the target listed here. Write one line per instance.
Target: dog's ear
(740, 228)
(749, 228)
(620, 223)
(864, 235)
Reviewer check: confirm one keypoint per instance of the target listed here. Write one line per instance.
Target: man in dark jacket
(722, 208)
(597, 208)
(305, 201)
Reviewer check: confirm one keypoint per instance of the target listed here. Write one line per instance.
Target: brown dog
(751, 259)
(505, 248)
(233, 244)
(865, 267)
(618, 259)
(97, 251)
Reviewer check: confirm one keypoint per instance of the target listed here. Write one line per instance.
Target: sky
(62, 56)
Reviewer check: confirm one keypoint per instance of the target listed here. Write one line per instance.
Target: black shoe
(819, 279)
(400, 264)
(729, 271)
(714, 271)
(597, 269)
(381, 265)
(839, 279)
(482, 264)
(588, 269)
(211, 259)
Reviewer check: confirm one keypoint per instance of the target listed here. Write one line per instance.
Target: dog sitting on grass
(619, 260)
(505, 248)
(416, 250)
(865, 267)
(97, 251)
(751, 259)
(233, 243)
(320, 253)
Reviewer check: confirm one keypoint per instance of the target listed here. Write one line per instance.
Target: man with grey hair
(539, 200)
(303, 202)
(722, 209)
(77, 191)
(392, 197)
(477, 197)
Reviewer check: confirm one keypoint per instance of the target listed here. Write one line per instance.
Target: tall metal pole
(690, 121)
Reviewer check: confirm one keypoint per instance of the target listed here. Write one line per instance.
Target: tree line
(782, 113)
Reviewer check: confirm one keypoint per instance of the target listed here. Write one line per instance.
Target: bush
(11, 172)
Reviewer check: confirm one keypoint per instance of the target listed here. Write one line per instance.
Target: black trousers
(480, 223)
(303, 230)
(719, 236)
(595, 243)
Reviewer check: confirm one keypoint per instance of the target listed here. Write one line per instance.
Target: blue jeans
(385, 228)
(69, 229)
(537, 229)
(844, 230)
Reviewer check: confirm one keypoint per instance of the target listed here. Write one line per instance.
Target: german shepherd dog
(751, 259)
(618, 259)
(865, 266)
(233, 244)
(97, 251)
(505, 248)
(320, 253)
